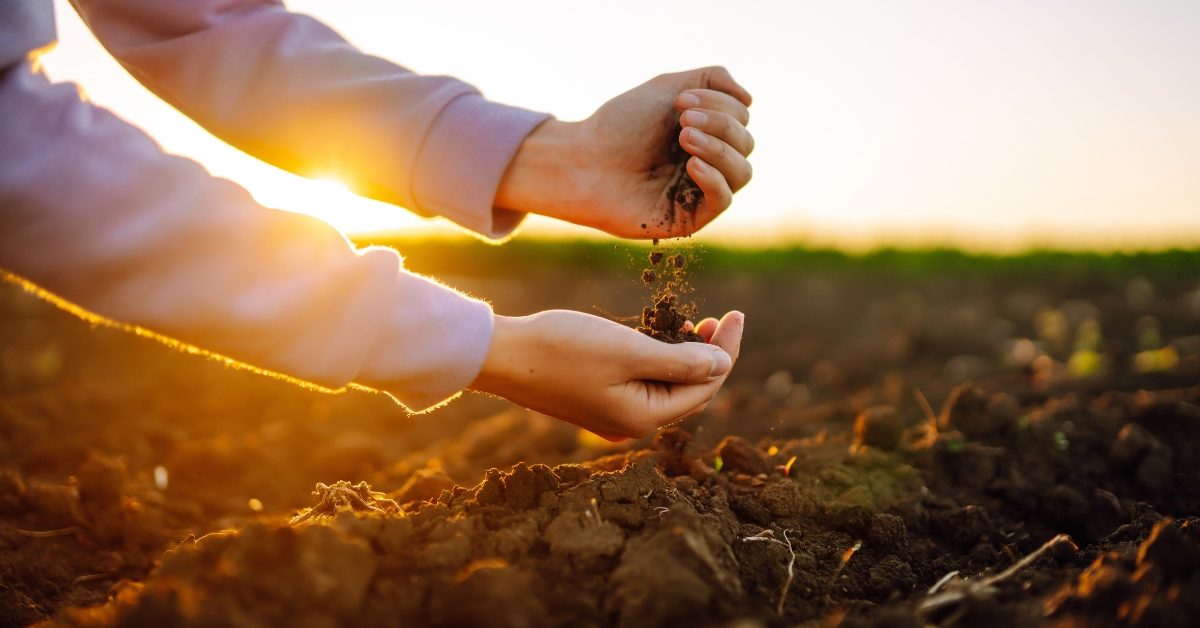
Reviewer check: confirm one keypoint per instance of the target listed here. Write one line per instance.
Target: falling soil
(664, 319)
(142, 486)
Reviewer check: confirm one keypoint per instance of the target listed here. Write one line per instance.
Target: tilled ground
(855, 478)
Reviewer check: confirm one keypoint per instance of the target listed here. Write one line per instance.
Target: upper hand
(616, 170)
(605, 377)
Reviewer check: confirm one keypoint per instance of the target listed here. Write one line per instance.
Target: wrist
(500, 363)
(543, 175)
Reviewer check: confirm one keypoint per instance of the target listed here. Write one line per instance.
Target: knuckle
(724, 200)
(693, 369)
(718, 149)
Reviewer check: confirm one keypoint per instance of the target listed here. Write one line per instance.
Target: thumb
(683, 363)
(728, 334)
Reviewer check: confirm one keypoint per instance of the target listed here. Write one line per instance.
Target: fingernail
(721, 363)
(694, 118)
(697, 138)
(688, 100)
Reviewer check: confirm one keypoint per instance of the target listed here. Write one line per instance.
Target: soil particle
(664, 321)
(878, 426)
(655, 257)
(967, 410)
(649, 276)
(738, 455)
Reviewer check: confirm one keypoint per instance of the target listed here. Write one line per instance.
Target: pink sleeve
(93, 213)
(288, 89)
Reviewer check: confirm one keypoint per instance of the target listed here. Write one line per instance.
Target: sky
(987, 125)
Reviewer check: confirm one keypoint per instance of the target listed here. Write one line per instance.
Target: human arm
(98, 218)
(289, 90)
(94, 213)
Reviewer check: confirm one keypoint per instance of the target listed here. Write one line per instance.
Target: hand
(616, 171)
(605, 377)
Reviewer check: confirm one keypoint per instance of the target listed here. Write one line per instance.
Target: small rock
(1131, 444)
(878, 426)
(966, 410)
(1155, 470)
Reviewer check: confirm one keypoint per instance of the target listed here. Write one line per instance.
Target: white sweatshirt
(95, 215)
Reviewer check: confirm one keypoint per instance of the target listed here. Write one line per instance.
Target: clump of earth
(666, 318)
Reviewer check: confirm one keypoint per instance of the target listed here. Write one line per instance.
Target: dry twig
(951, 589)
(768, 536)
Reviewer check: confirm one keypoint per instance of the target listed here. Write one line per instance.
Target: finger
(719, 78)
(711, 99)
(610, 436)
(721, 126)
(732, 164)
(688, 326)
(717, 194)
(681, 402)
(728, 335)
(706, 328)
(683, 363)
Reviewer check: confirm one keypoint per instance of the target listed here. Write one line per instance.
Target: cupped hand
(605, 377)
(619, 170)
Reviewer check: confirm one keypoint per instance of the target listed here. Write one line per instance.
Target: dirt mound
(797, 530)
(844, 475)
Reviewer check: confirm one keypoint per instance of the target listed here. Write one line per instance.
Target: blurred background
(988, 126)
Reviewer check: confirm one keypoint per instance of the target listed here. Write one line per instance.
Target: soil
(683, 195)
(889, 452)
(664, 319)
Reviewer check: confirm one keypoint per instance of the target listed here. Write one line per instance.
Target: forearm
(291, 91)
(93, 212)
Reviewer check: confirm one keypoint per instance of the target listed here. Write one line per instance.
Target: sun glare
(329, 200)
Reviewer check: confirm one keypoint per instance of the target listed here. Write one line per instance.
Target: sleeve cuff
(463, 159)
(432, 344)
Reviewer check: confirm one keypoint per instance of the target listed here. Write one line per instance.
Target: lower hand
(605, 377)
(615, 171)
